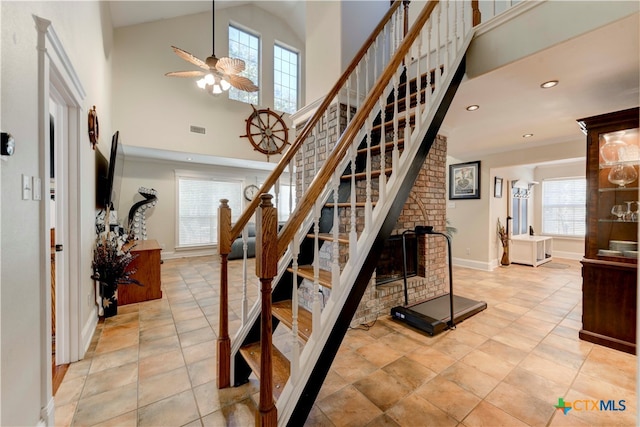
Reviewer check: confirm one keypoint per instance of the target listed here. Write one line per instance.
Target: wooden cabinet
(531, 250)
(147, 265)
(609, 267)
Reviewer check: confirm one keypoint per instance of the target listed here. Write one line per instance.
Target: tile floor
(154, 363)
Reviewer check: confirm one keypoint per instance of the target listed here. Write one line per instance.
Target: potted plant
(111, 268)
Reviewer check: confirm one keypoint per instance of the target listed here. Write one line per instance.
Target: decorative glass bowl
(622, 175)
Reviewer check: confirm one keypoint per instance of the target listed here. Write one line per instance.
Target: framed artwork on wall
(497, 187)
(464, 181)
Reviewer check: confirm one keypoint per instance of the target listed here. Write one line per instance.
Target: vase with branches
(111, 267)
(503, 234)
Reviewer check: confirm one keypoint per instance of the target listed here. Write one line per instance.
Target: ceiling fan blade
(190, 58)
(230, 65)
(185, 74)
(241, 83)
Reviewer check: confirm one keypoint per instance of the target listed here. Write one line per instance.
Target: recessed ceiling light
(550, 83)
(527, 135)
(189, 159)
(472, 107)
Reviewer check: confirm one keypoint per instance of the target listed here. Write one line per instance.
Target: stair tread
(283, 310)
(342, 238)
(362, 175)
(281, 366)
(388, 146)
(306, 271)
(348, 204)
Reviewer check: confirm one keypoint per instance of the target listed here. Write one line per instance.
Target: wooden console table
(147, 265)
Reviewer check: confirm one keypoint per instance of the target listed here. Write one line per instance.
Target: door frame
(58, 78)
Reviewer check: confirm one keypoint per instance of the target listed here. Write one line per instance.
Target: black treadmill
(436, 314)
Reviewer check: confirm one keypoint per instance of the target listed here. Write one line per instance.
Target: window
(564, 207)
(286, 201)
(198, 202)
(245, 46)
(285, 79)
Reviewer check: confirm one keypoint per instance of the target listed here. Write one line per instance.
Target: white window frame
(573, 207)
(287, 48)
(240, 96)
(199, 176)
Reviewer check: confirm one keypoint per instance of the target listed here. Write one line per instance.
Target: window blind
(564, 207)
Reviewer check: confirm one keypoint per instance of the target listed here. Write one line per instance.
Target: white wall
(25, 387)
(155, 111)
(476, 219)
(160, 175)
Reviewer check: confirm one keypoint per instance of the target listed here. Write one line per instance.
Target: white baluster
(245, 299)
(407, 102)
(395, 154)
(438, 44)
(446, 37)
(368, 204)
(418, 112)
(353, 236)
(348, 101)
(357, 100)
(428, 87)
(295, 345)
(317, 306)
(335, 262)
(382, 181)
(291, 185)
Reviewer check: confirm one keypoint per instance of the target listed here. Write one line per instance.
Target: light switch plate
(26, 187)
(37, 185)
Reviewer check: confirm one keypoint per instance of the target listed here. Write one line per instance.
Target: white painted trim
(576, 256)
(503, 17)
(303, 114)
(88, 330)
(476, 265)
(47, 414)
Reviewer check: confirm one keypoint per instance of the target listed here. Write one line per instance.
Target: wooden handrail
(324, 174)
(300, 139)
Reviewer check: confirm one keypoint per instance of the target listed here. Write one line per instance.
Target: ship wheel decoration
(267, 131)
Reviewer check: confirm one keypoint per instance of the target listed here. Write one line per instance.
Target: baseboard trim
(476, 265)
(47, 414)
(568, 255)
(87, 331)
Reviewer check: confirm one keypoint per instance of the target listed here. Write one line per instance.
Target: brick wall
(426, 205)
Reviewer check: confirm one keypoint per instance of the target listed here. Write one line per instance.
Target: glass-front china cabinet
(609, 267)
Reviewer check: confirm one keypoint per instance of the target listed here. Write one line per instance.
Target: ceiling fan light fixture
(216, 89)
(225, 85)
(201, 83)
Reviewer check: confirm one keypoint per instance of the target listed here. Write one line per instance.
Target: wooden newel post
(476, 17)
(224, 248)
(266, 270)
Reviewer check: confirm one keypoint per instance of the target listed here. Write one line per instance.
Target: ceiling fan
(221, 73)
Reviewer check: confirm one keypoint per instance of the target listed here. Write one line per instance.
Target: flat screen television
(109, 177)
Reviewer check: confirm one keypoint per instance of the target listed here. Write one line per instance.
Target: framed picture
(464, 181)
(497, 187)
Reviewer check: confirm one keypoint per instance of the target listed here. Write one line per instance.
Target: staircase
(388, 106)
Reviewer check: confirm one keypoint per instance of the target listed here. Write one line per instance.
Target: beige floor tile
(332, 383)
(104, 406)
(130, 419)
(196, 352)
(470, 379)
(160, 363)
(378, 353)
(431, 358)
(110, 378)
(64, 413)
(317, 418)
(549, 369)
(486, 363)
(383, 389)
(409, 372)
(163, 385)
(521, 405)
(154, 333)
(348, 407)
(176, 410)
(202, 371)
(70, 390)
(161, 345)
(534, 384)
(448, 396)
(113, 359)
(351, 366)
(413, 411)
(118, 342)
(383, 420)
(197, 336)
(239, 414)
(487, 415)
